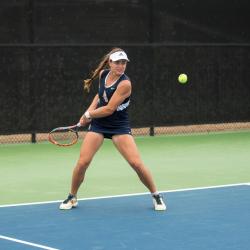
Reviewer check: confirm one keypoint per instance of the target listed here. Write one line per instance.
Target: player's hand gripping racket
(64, 136)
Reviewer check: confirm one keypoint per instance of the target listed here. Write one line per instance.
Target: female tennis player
(108, 118)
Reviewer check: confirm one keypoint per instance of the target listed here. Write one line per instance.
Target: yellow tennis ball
(182, 78)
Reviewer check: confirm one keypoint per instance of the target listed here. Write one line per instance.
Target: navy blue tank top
(119, 119)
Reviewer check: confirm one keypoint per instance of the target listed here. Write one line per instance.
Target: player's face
(118, 67)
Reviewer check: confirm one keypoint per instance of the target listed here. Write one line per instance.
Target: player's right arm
(92, 106)
(94, 103)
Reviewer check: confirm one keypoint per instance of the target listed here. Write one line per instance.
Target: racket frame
(73, 129)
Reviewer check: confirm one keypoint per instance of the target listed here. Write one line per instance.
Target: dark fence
(48, 47)
(42, 86)
(124, 21)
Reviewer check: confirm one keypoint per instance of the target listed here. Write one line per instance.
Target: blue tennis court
(202, 218)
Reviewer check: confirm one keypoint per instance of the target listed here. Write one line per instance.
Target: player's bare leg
(127, 147)
(90, 146)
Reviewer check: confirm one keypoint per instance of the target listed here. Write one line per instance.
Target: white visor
(119, 55)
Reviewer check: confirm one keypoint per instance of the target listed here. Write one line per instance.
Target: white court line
(127, 195)
(27, 243)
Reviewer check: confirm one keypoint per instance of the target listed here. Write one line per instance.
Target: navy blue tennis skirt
(108, 132)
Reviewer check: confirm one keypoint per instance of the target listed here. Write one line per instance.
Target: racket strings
(63, 137)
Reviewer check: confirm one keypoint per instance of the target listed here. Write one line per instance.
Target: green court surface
(42, 172)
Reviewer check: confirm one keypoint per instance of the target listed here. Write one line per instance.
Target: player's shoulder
(125, 84)
(103, 72)
(125, 80)
(125, 77)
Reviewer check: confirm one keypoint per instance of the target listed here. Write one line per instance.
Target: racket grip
(78, 124)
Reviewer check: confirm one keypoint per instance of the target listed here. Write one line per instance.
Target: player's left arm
(122, 92)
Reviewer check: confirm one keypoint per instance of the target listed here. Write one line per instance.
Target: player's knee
(136, 164)
(83, 163)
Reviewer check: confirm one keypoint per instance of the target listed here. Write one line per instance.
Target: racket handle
(78, 125)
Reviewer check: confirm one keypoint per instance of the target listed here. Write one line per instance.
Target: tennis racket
(64, 136)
